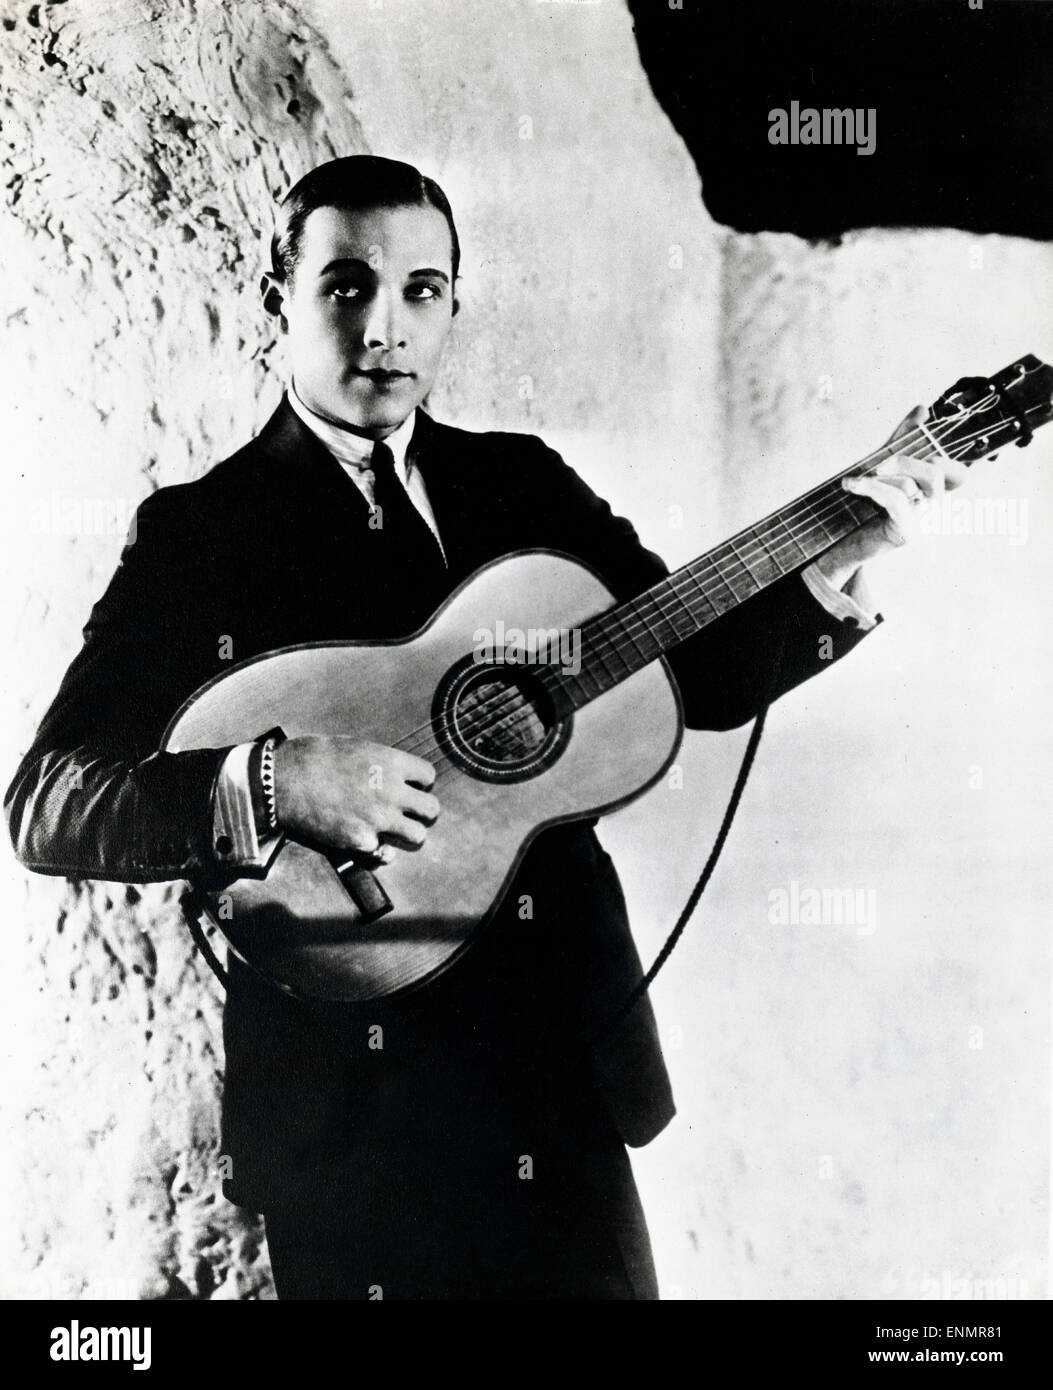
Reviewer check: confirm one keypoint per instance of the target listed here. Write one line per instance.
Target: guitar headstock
(980, 415)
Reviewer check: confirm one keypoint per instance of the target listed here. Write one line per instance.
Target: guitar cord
(193, 905)
(702, 882)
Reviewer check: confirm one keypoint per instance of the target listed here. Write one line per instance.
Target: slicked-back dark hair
(356, 183)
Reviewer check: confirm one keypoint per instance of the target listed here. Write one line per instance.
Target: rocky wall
(839, 1135)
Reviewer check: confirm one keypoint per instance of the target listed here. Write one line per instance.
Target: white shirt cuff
(850, 604)
(236, 838)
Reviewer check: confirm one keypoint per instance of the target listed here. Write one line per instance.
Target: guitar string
(502, 717)
(520, 707)
(609, 645)
(803, 504)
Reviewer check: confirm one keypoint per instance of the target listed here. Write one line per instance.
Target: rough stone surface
(142, 147)
(840, 1134)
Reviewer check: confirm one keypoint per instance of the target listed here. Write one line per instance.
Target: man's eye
(424, 291)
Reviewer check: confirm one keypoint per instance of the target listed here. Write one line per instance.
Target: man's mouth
(383, 376)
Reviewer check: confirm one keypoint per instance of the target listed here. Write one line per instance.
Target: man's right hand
(349, 795)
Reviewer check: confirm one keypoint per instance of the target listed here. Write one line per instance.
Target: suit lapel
(454, 476)
(320, 524)
(332, 558)
(301, 467)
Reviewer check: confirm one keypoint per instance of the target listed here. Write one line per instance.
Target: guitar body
(297, 925)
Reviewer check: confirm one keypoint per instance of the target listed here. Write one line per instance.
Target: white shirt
(355, 455)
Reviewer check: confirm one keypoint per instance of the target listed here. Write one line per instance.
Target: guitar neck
(970, 421)
(629, 637)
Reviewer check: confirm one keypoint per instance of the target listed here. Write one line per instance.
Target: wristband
(261, 782)
(267, 781)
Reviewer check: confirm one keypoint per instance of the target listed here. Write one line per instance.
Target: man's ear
(273, 291)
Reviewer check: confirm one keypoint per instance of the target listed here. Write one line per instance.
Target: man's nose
(382, 329)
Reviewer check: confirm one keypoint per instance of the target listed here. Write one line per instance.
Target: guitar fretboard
(629, 637)
(970, 421)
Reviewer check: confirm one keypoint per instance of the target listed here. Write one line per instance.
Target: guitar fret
(644, 658)
(602, 650)
(747, 568)
(765, 568)
(793, 539)
(673, 609)
(859, 509)
(674, 589)
(751, 579)
(772, 557)
(724, 579)
(612, 644)
(817, 520)
(698, 598)
(587, 674)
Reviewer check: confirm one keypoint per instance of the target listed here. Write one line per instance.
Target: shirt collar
(352, 450)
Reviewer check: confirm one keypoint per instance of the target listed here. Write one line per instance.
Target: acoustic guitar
(564, 709)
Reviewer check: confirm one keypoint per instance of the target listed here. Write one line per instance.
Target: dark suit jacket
(272, 548)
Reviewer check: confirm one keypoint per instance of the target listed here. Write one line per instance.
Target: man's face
(368, 313)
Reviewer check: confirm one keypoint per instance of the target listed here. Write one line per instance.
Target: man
(480, 1152)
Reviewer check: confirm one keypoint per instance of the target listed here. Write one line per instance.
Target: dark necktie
(405, 536)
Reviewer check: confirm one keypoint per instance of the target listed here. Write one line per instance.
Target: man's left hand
(899, 485)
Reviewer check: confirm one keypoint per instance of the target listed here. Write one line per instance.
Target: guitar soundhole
(497, 722)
